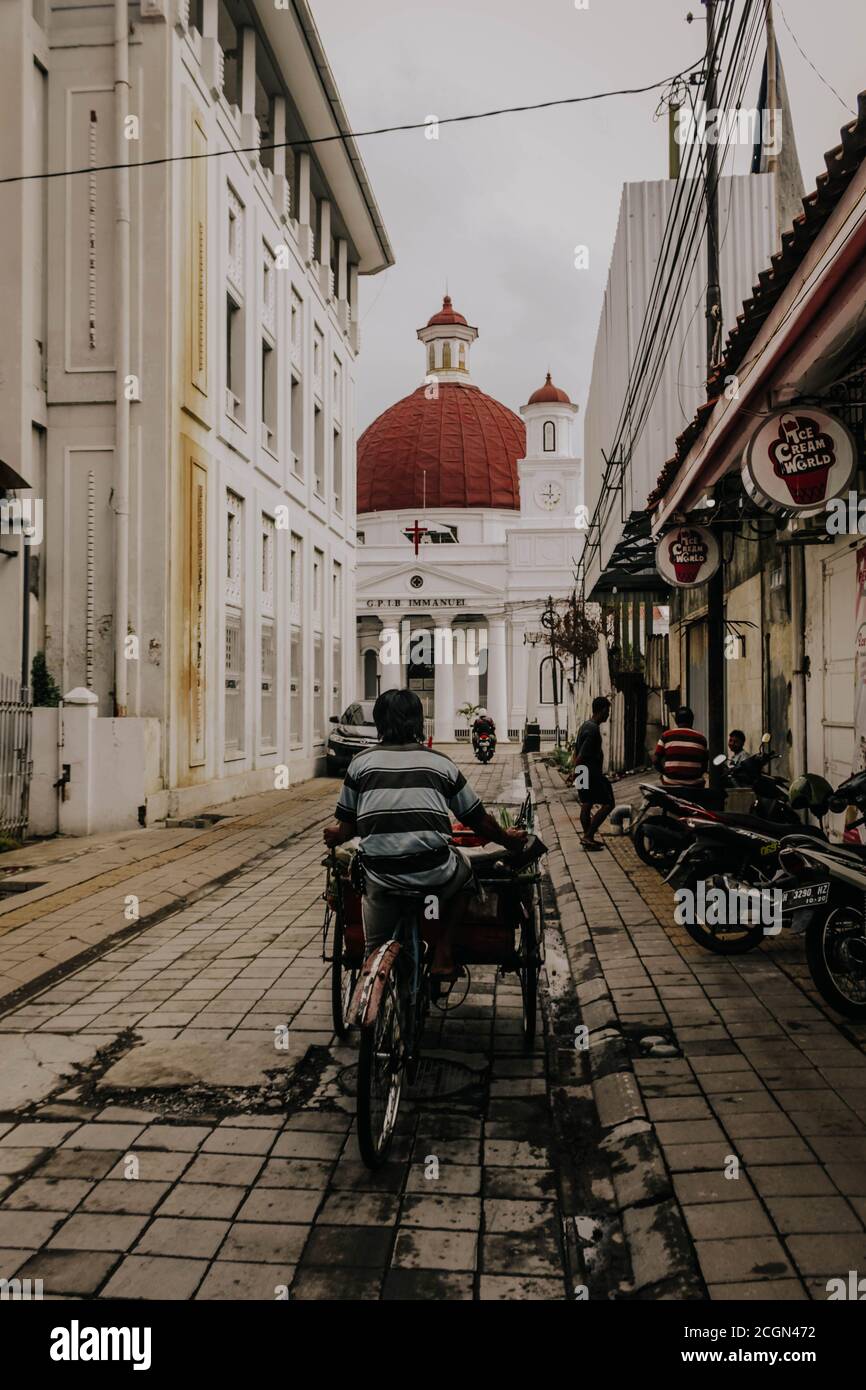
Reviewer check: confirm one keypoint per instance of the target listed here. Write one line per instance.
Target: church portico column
(390, 655)
(497, 675)
(444, 716)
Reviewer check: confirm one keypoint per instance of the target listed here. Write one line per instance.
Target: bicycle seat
(497, 859)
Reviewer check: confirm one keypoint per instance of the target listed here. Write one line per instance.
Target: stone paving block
(719, 1220)
(173, 1235)
(359, 1209)
(743, 1259)
(47, 1194)
(155, 1276)
(760, 1291)
(153, 1166)
(813, 1215)
(233, 1280)
(132, 1197)
(236, 1170)
(712, 1187)
(69, 1273)
(295, 1172)
(358, 1246)
(828, 1255)
(525, 1288)
(96, 1231)
(793, 1180)
(27, 1230)
(427, 1285)
(517, 1184)
(418, 1248)
(441, 1212)
(99, 1136)
(356, 1285)
(202, 1199)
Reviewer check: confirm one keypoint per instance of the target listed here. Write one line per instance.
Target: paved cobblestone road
(246, 1205)
(557, 1173)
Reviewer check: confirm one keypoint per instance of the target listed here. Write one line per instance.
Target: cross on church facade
(415, 535)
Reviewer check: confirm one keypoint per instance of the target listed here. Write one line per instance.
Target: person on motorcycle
(483, 724)
(681, 754)
(397, 796)
(736, 748)
(594, 790)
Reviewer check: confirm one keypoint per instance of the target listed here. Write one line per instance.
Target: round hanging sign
(797, 459)
(687, 556)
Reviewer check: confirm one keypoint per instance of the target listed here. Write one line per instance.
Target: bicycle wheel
(343, 976)
(381, 1063)
(528, 969)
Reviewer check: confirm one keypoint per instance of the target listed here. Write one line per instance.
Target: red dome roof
(467, 442)
(447, 314)
(548, 394)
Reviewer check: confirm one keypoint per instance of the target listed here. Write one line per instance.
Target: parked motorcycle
(485, 746)
(661, 829)
(735, 855)
(825, 894)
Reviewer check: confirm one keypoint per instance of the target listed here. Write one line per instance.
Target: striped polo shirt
(684, 757)
(399, 796)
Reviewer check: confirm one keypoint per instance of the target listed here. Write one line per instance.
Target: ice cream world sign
(687, 555)
(797, 459)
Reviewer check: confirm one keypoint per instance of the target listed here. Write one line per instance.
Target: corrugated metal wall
(747, 229)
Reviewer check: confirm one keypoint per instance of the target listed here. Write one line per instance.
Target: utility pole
(548, 620)
(716, 702)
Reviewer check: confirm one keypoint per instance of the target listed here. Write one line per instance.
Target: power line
(305, 143)
(816, 71)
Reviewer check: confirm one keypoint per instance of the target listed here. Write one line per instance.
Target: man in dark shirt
(594, 790)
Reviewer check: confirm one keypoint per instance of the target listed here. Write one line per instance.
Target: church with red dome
(469, 515)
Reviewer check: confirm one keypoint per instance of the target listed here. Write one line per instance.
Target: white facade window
(296, 409)
(337, 596)
(318, 688)
(296, 643)
(338, 471)
(234, 547)
(318, 562)
(336, 677)
(319, 450)
(268, 709)
(296, 579)
(267, 573)
(234, 631)
(318, 353)
(297, 324)
(235, 317)
(234, 683)
(549, 437)
(337, 387)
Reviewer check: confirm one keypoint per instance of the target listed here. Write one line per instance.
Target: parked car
(353, 732)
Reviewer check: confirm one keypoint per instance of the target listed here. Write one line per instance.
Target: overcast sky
(497, 207)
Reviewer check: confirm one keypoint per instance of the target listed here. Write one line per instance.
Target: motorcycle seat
(773, 828)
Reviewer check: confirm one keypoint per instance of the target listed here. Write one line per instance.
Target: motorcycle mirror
(838, 804)
(766, 740)
(717, 762)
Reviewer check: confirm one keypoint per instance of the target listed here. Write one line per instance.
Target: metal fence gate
(16, 764)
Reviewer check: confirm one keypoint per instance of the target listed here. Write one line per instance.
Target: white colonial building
(469, 518)
(178, 362)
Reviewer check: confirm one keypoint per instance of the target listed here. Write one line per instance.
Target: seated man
(397, 798)
(483, 725)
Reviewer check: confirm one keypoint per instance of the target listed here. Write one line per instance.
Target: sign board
(797, 459)
(688, 556)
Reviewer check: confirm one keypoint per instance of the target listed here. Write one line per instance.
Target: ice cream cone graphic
(688, 552)
(802, 456)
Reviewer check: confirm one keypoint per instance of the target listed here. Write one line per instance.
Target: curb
(640, 1199)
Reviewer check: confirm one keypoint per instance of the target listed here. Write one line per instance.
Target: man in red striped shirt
(681, 754)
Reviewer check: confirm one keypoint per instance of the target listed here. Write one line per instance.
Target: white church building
(468, 519)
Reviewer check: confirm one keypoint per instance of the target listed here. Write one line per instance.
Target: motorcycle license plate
(807, 895)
